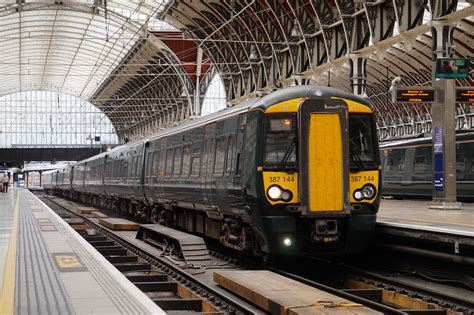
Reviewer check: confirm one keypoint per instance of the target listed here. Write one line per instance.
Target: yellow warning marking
(7, 291)
(426, 221)
(67, 261)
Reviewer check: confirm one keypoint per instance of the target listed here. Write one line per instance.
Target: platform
(47, 268)
(415, 214)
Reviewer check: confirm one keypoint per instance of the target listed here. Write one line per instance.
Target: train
(295, 171)
(408, 167)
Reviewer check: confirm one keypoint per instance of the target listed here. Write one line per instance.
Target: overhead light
(296, 31)
(253, 52)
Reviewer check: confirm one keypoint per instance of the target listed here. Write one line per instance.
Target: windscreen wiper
(354, 155)
(288, 152)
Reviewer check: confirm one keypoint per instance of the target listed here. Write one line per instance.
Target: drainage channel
(171, 289)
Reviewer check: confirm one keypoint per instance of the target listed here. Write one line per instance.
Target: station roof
(144, 73)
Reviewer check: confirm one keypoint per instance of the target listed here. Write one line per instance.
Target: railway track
(165, 282)
(174, 290)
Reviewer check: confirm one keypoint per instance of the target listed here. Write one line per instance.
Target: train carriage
(295, 171)
(408, 167)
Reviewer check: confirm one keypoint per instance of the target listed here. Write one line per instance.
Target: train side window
(169, 162)
(230, 151)
(149, 166)
(156, 158)
(137, 167)
(177, 162)
(422, 161)
(196, 159)
(238, 159)
(401, 164)
(221, 145)
(186, 161)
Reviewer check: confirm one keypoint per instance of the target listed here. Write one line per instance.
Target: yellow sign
(68, 261)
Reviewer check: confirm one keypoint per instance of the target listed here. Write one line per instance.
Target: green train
(296, 171)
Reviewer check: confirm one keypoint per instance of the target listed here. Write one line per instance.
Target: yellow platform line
(7, 291)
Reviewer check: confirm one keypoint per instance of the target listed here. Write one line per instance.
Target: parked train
(297, 170)
(408, 167)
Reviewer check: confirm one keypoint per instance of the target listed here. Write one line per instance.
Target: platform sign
(452, 68)
(413, 94)
(465, 94)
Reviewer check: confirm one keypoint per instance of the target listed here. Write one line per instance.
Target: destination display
(465, 95)
(413, 95)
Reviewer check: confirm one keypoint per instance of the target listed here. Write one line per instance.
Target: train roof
(425, 139)
(309, 91)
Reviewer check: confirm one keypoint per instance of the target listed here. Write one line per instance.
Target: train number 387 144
(360, 178)
(281, 179)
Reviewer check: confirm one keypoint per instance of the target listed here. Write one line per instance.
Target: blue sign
(438, 140)
(438, 159)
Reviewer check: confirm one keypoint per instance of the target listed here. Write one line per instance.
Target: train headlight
(358, 195)
(368, 192)
(287, 242)
(274, 192)
(286, 195)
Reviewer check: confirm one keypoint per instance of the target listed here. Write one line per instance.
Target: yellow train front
(317, 184)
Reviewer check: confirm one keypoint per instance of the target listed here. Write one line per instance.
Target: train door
(160, 183)
(207, 166)
(236, 198)
(324, 156)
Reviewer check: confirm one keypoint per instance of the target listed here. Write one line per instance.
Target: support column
(197, 90)
(443, 114)
(358, 74)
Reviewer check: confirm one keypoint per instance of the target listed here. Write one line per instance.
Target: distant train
(408, 167)
(295, 171)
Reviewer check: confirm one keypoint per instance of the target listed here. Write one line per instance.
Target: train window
(149, 165)
(137, 167)
(221, 145)
(240, 140)
(169, 161)
(156, 158)
(280, 141)
(195, 165)
(177, 161)
(230, 151)
(361, 141)
(186, 161)
(196, 159)
(401, 164)
(422, 161)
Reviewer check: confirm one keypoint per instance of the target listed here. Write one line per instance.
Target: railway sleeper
(133, 266)
(174, 304)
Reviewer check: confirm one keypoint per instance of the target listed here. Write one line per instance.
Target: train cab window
(186, 161)
(361, 142)
(177, 162)
(169, 161)
(280, 141)
(230, 151)
(219, 160)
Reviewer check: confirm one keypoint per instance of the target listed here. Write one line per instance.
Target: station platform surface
(416, 214)
(47, 268)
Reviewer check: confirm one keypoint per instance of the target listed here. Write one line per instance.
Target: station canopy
(147, 63)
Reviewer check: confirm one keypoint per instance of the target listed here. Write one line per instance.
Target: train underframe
(266, 235)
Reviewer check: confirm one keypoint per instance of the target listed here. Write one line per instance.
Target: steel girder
(260, 45)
